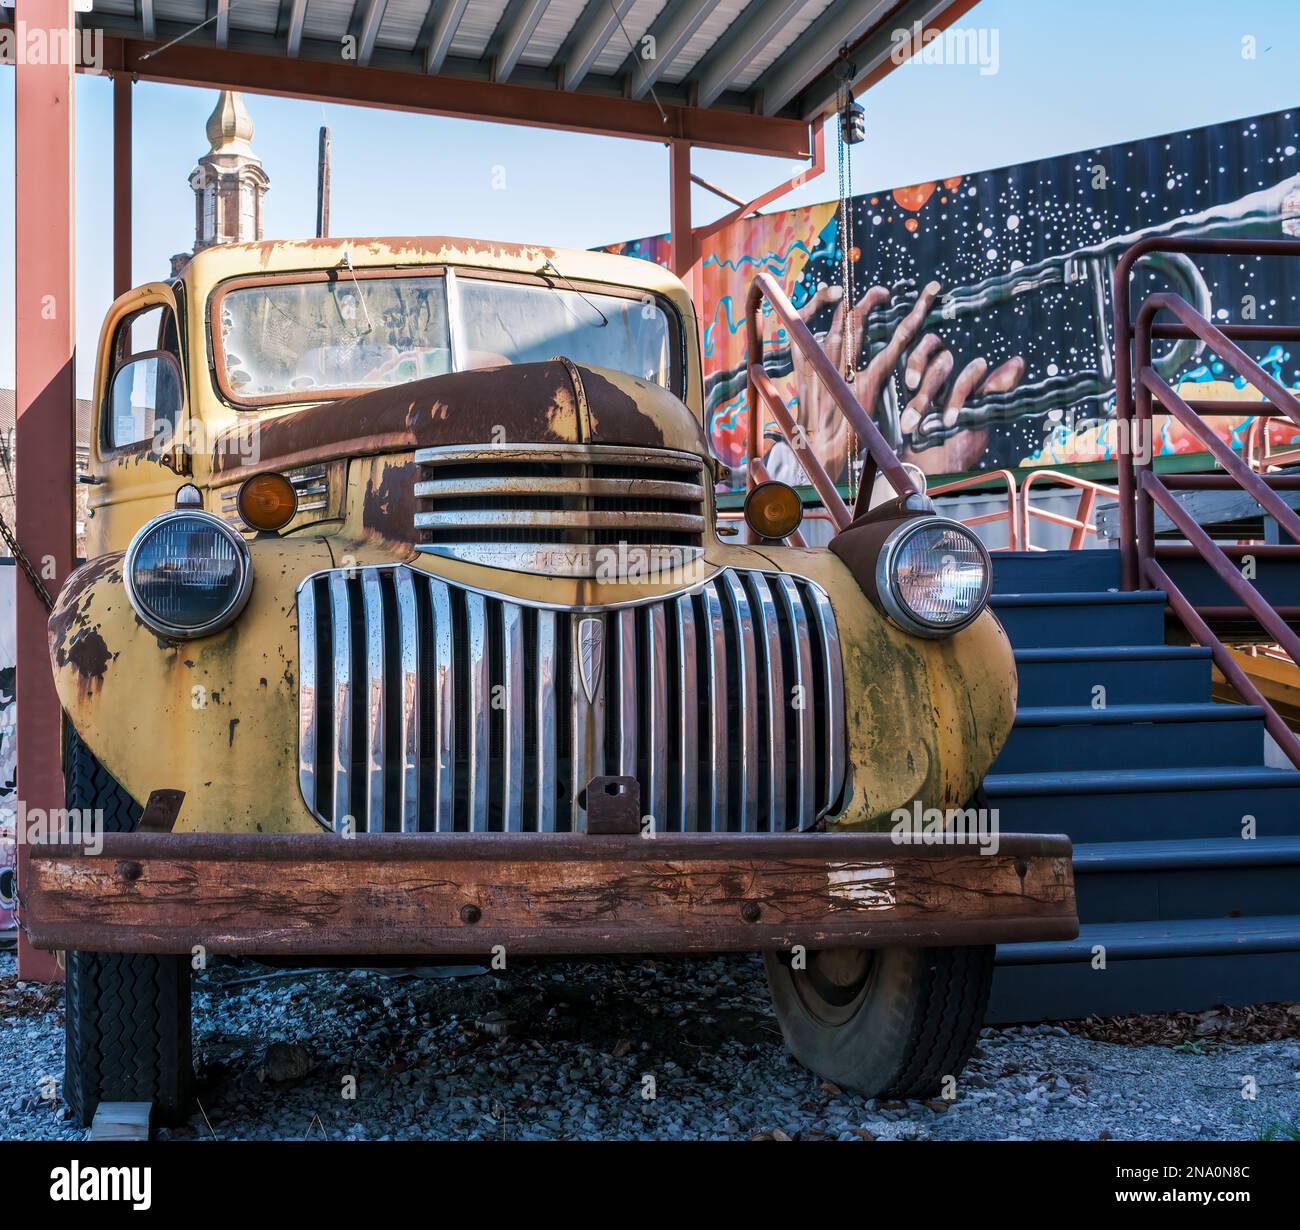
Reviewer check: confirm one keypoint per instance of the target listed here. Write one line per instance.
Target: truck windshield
(284, 341)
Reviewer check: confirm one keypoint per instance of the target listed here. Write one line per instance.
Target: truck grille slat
(408, 625)
(805, 739)
(513, 713)
(476, 710)
(373, 611)
(427, 706)
(341, 619)
(561, 510)
(715, 665)
(656, 689)
(688, 744)
(442, 750)
(546, 722)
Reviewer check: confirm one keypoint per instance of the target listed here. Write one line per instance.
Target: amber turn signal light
(267, 502)
(773, 510)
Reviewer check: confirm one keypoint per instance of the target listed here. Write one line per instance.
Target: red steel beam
(502, 102)
(121, 184)
(46, 393)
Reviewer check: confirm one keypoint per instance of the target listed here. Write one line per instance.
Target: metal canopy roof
(741, 74)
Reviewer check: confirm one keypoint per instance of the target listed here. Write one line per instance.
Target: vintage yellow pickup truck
(409, 629)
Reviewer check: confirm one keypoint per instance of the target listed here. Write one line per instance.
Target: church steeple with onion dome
(229, 183)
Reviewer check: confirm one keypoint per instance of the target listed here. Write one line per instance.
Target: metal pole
(122, 280)
(679, 190)
(323, 185)
(45, 336)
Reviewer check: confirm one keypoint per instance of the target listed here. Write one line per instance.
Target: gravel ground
(574, 1049)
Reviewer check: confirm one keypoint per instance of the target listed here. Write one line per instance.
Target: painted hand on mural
(927, 378)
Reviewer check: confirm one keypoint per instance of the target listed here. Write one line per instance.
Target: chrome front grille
(561, 511)
(425, 706)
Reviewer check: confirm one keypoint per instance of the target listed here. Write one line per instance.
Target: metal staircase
(1118, 744)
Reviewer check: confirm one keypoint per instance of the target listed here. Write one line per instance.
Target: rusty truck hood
(556, 402)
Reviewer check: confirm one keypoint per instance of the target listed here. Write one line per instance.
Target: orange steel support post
(46, 392)
(681, 237)
(121, 183)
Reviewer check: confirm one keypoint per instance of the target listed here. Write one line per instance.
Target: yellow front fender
(215, 717)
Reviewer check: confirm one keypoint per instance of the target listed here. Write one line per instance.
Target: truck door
(140, 433)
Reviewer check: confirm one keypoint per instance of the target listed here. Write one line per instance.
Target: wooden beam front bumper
(451, 894)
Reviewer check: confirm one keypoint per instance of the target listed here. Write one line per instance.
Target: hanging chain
(849, 301)
(25, 564)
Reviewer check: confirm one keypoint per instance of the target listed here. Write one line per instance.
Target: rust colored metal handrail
(1012, 514)
(1142, 490)
(759, 386)
(1258, 448)
(1081, 523)
(1125, 337)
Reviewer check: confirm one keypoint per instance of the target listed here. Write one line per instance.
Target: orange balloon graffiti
(914, 196)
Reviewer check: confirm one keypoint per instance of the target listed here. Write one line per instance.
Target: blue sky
(1071, 74)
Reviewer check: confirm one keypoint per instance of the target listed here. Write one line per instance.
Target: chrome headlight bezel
(896, 609)
(232, 610)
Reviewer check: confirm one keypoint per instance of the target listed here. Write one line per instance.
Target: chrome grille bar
(768, 643)
(408, 638)
(512, 740)
(746, 676)
(801, 700)
(546, 722)
(476, 709)
(444, 709)
(341, 625)
(655, 801)
(714, 641)
(373, 612)
(625, 689)
(308, 700)
(428, 706)
(833, 677)
(688, 742)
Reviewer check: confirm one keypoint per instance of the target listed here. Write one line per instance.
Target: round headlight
(933, 576)
(188, 574)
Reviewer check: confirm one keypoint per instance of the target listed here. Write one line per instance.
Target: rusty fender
(214, 717)
(462, 893)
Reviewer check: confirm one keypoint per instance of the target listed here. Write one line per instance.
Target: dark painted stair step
(1135, 805)
(1278, 580)
(1180, 937)
(1196, 964)
(1133, 737)
(1130, 674)
(1164, 880)
(1034, 621)
(1032, 572)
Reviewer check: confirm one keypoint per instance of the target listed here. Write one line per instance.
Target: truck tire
(883, 1022)
(127, 1015)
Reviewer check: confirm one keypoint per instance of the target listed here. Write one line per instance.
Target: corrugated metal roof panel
(701, 43)
(327, 19)
(782, 43)
(191, 12)
(401, 25)
(259, 15)
(477, 27)
(640, 17)
(553, 28)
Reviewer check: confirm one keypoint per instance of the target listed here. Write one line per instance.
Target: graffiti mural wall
(979, 305)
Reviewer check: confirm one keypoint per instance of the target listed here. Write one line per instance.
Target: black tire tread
(952, 994)
(127, 1014)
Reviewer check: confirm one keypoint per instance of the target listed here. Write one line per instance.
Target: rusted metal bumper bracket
(541, 893)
